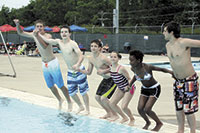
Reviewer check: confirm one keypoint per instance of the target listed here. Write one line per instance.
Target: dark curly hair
(137, 54)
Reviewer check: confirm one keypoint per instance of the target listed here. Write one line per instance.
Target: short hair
(175, 27)
(67, 27)
(39, 21)
(137, 54)
(97, 42)
(118, 55)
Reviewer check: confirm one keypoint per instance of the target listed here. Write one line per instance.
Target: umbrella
(31, 28)
(55, 29)
(6, 28)
(15, 29)
(77, 28)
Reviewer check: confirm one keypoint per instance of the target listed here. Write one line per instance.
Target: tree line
(95, 12)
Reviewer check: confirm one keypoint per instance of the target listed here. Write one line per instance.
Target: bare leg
(181, 121)
(109, 112)
(56, 94)
(106, 103)
(78, 102)
(66, 94)
(126, 99)
(113, 103)
(86, 101)
(192, 122)
(148, 108)
(141, 105)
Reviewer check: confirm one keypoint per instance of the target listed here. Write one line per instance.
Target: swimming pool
(17, 116)
(196, 65)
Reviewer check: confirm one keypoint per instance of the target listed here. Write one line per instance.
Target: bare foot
(86, 112)
(60, 104)
(157, 127)
(81, 108)
(105, 116)
(70, 106)
(124, 120)
(146, 126)
(131, 123)
(113, 118)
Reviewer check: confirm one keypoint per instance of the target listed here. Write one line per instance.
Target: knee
(147, 110)
(53, 88)
(124, 107)
(97, 98)
(140, 109)
(112, 103)
(103, 99)
(63, 88)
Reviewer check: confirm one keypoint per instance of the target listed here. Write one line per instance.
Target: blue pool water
(196, 65)
(20, 117)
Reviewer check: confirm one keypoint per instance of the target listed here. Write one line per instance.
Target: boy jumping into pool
(73, 58)
(186, 85)
(107, 86)
(49, 62)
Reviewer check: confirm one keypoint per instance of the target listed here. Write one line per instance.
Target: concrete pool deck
(30, 82)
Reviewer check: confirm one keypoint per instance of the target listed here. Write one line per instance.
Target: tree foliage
(96, 12)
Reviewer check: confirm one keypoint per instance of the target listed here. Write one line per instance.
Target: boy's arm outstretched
(45, 41)
(20, 31)
(161, 70)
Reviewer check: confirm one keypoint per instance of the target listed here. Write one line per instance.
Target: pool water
(196, 65)
(20, 117)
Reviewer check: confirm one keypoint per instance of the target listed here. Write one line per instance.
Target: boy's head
(172, 27)
(97, 42)
(65, 32)
(39, 25)
(66, 27)
(95, 45)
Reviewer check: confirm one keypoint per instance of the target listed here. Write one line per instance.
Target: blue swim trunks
(77, 80)
(52, 73)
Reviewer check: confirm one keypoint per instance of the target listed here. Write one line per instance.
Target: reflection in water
(4, 101)
(67, 118)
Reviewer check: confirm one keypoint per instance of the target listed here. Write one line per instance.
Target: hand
(100, 72)
(35, 32)
(76, 67)
(127, 89)
(16, 21)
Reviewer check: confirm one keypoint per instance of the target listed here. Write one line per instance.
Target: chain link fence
(185, 29)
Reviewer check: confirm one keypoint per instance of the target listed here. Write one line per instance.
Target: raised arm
(20, 31)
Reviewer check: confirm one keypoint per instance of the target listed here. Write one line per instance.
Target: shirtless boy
(107, 86)
(186, 85)
(73, 58)
(49, 61)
